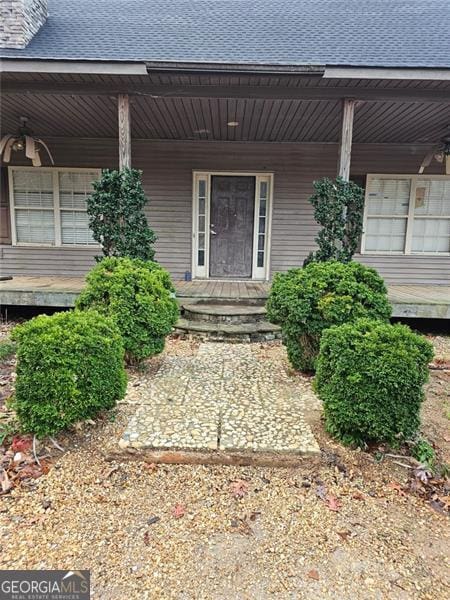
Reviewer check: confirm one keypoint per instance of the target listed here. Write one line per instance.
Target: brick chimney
(20, 20)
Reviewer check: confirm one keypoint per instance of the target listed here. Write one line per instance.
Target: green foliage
(7, 349)
(338, 207)
(424, 452)
(370, 377)
(306, 301)
(138, 296)
(8, 428)
(70, 367)
(116, 216)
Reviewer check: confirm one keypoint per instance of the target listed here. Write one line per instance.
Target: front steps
(235, 322)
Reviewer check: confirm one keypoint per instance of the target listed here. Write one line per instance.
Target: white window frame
(409, 216)
(258, 273)
(56, 205)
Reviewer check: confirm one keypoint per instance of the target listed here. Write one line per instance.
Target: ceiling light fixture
(24, 140)
(233, 123)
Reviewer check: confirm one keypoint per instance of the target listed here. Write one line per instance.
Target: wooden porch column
(123, 111)
(345, 147)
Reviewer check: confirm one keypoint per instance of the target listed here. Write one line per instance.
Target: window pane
(33, 188)
(201, 206)
(261, 242)
(75, 228)
(74, 189)
(385, 235)
(201, 241)
(433, 197)
(260, 261)
(262, 225)
(388, 196)
(201, 258)
(262, 208)
(263, 189)
(202, 187)
(201, 223)
(35, 226)
(431, 235)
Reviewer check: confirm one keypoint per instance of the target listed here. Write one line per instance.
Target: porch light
(233, 123)
(23, 140)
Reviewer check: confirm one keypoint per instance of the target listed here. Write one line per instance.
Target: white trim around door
(262, 224)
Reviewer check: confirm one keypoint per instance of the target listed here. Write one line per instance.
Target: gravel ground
(341, 526)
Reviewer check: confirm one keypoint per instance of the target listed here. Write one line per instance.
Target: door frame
(201, 182)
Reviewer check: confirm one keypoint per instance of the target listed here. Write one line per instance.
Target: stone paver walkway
(224, 397)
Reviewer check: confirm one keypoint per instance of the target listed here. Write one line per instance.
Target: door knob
(212, 232)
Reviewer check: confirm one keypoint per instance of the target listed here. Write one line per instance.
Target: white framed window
(407, 214)
(48, 206)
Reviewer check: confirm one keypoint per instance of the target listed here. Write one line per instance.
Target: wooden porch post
(123, 110)
(345, 147)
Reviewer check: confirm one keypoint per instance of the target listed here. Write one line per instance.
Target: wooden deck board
(421, 301)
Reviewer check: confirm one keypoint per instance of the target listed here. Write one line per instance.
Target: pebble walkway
(224, 397)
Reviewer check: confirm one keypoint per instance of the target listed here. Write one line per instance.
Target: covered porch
(228, 163)
(427, 302)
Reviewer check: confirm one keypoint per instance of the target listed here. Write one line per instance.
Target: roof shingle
(383, 33)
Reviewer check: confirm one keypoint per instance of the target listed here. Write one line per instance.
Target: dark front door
(231, 234)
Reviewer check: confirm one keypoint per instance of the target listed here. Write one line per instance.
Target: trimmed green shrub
(370, 376)
(306, 301)
(138, 296)
(69, 367)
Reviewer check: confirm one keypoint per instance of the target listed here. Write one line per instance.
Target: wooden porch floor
(420, 301)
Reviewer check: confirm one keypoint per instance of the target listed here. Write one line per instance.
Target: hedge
(138, 295)
(69, 367)
(309, 300)
(370, 377)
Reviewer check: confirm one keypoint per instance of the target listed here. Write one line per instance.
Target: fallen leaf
(394, 485)
(313, 574)
(357, 496)
(21, 443)
(239, 488)
(178, 511)
(254, 515)
(110, 472)
(29, 472)
(438, 507)
(344, 535)
(333, 503)
(146, 538)
(241, 526)
(151, 467)
(5, 483)
(445, 500)
(321, 492)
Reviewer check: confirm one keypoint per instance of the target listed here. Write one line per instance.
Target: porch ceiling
(182, 113)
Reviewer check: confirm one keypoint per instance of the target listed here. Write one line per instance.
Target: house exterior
(231, 110)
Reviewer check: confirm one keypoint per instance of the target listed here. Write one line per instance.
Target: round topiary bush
(69, 367)
(306, 301)
(138, 296)
(370, 376)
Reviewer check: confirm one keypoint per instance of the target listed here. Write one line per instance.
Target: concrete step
(234, 332)
(227, 300)
(224, 313)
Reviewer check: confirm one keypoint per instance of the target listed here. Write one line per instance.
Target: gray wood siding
(167, 176)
